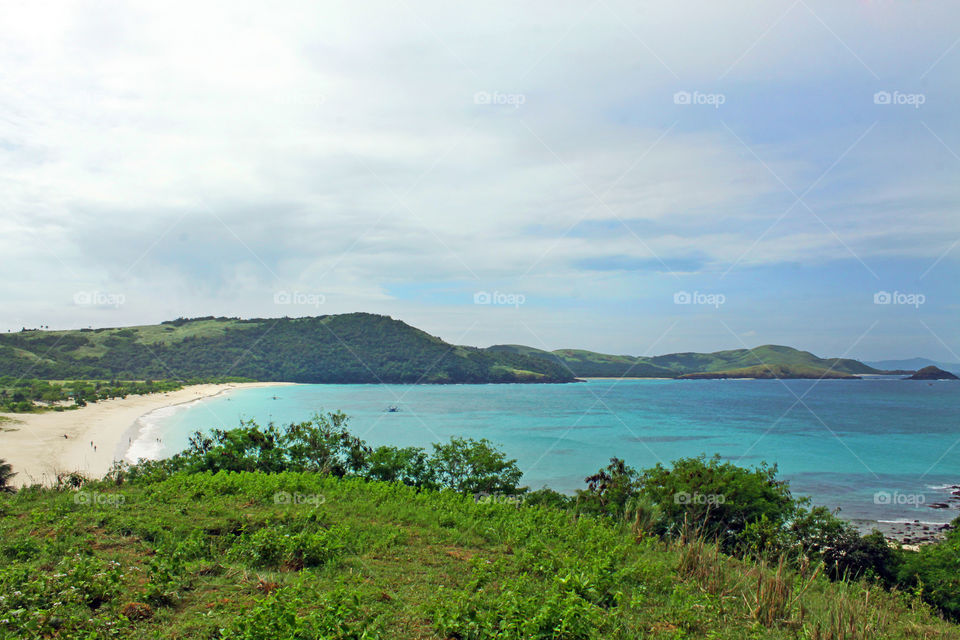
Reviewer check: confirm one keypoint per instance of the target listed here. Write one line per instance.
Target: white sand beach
(35, 445)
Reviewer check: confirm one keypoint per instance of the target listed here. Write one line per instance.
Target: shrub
(409, 465)
(934, 572)
(291, 613)
(474, 466)
(719, 498)
(609, 490)
(276, 547)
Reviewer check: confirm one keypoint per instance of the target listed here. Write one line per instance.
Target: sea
(879, 449)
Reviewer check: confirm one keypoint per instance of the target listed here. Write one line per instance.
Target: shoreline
(911, 534)
(40, 446)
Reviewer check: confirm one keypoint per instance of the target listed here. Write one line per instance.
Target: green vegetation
(349, 348)
(6, 475)
(767, 371)
(288, 532)
(932, 373)
(762, 362)
(31, 395)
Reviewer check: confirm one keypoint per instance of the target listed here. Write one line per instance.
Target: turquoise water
(840, 443)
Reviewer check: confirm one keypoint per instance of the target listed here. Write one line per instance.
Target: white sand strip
(35, 445)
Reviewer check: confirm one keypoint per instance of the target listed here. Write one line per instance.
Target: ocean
(881, 448)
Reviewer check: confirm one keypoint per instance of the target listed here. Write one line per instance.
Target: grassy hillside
(297, 555)
(765, 371)
(798, 363)
(589, 364)
(357, 347)
(304, 532)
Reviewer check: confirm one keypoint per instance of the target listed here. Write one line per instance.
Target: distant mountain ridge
(788, 361)
(362, 348)
(347, 348)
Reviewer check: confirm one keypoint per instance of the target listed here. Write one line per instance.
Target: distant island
(932, 373)
(363, 348)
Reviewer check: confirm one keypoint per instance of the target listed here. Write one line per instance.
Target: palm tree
(6, 473)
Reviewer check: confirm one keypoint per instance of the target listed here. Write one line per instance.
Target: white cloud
(194, 154)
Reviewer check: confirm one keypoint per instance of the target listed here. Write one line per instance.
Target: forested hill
(348, 348)
(792, 362)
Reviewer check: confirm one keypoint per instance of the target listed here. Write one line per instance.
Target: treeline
(28, 395)
(747, 512)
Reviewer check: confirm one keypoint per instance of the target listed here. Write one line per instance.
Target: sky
(622, 176)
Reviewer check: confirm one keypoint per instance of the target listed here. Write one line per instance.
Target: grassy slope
(770, 371)
(428, 565)
(341, 348)
(804, 363)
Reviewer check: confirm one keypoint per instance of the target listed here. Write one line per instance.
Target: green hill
(793, 362)
(349, 348)
(766, 371)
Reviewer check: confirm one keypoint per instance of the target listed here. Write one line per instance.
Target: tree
(409, 465)
(474, 466)
(720, 498)
(321, 445)
(609, 489)
(6, 474)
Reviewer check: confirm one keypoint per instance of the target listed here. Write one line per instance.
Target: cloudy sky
(633, 177)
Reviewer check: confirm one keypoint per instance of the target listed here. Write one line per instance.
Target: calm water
(843, 442)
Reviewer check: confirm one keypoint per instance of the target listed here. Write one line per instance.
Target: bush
(409, 465)
(321, 445)
(277, 547)
(721, 499)
(474, 466)
(298, 614)
(934, 572)
(609, 490)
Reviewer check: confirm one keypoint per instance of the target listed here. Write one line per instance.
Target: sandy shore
(35, 445)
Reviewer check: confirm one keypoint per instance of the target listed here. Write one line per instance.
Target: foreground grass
(306, 556)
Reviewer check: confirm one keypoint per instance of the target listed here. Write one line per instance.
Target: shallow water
(878, 448)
